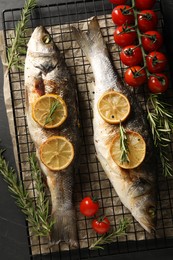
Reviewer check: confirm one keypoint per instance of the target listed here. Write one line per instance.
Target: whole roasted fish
(45, 73)
(136, 188)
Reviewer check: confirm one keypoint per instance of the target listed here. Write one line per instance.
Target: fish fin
(64, 229)
(92, 40)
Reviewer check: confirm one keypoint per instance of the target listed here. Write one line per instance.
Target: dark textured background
(13, 236)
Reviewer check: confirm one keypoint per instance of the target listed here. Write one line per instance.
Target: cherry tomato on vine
(118, 2)
(101, 225)
(158, 83)
(156, 61)
(147, 20)
(135, 76)
(131, 55)
(145, 4)
(122, 14)
(124, 35)
(89, 207)
(152, 41)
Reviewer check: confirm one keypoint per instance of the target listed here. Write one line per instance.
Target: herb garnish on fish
(111, 237)
(161, 121)
(53, 108)
(37, 214)
(123, 145)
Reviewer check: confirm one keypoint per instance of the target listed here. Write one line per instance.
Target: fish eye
(152, 212)
(46, 39)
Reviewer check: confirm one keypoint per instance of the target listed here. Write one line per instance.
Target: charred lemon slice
(49, 111)
(113, 107)
(56, 153)
(136, 150)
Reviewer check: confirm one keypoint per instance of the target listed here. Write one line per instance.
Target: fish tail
(91, 41)
(64, 229)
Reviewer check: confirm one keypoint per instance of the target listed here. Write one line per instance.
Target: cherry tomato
(101, 226)
(135, 76)
(152, 41)
(145, 4)
(124, 36)
(147, 20)
(121, 15)
(89, 207)
(118, 2)
(158, 83)
(156, 61)
(131, 55)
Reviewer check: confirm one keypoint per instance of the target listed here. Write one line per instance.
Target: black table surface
(13, 233)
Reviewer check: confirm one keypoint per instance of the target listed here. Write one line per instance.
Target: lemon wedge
(136, 147)
(56, 153)
(49, 111)
(113, 107)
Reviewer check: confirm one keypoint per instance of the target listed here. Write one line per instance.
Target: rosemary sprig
(37, 217)
(123, 145)
(45, 222)
(50, 116)
(161, 122)
(111, 237)
(18, 46)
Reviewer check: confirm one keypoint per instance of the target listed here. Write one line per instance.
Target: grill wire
(66, 13)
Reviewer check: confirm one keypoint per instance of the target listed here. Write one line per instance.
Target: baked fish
(136, 187)
(45, 74)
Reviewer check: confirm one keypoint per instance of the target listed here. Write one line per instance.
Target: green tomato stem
(139, 38)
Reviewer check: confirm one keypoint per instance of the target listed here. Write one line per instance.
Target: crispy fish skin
(46, 72)
(136, 188)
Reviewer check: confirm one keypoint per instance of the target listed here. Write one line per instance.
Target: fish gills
(45, 73)
(136, 188)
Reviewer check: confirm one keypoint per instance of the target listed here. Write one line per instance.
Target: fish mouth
(148, 219)
(148, 225)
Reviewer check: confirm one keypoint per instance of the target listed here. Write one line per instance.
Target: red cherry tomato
(121, 15)
(101, 226)
(145, 4)
(156, 61)
(135, 76)
(147, 20)
(158, 83)
(152, 41)
(124, 36)
(89, 207)
(118, 2)
(131, 55)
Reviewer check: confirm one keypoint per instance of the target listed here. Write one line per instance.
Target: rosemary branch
(18, 46)
(111, 237)
(50, 116)
(123, 145)
(42, 202)
(36, 214)
(161, 122)
(159, 115)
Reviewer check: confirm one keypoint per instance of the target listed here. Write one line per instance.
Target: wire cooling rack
(91, 179)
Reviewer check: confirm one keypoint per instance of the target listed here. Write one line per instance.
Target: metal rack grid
(86, 184)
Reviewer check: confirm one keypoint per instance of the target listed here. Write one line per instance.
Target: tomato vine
(151, 68)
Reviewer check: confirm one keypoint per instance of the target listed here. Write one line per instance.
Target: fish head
(42, 50)
(145, 213)
(41, 41)
(143, 202)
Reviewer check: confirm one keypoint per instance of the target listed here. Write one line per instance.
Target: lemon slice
(56, 153)
(137, 150)
(49, 111)
(113, 107)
